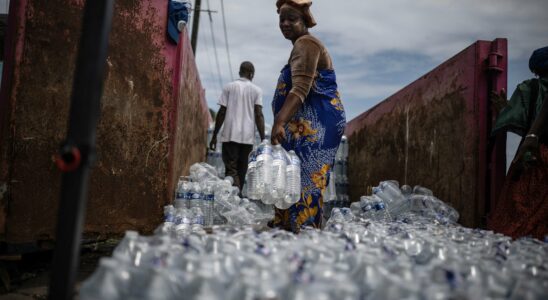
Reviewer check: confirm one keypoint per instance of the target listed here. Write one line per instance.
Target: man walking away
(241, 109)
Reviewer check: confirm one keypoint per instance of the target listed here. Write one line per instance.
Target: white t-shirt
(240, 97)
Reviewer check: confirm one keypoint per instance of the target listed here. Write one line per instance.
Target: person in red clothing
(522, 209)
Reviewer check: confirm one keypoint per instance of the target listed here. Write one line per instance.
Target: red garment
(522, 209)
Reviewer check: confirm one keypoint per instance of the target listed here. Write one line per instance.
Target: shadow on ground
(27, 277)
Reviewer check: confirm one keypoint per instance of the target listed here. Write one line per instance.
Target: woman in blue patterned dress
(309, 116)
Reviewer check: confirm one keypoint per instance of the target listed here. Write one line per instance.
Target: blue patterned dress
(314, 133)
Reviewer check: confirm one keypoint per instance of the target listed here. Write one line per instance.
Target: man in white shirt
(241, 109)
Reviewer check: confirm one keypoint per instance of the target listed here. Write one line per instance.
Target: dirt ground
(27, 278)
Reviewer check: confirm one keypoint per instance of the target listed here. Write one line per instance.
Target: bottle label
(264, 150)
(179, 195)
(195, 196)
(187, 195)
(278, 155)
(367, 208)
(379, 206)
(186, 220)
(169, 218)
(295, 161)
(209, 197)
(198, 220)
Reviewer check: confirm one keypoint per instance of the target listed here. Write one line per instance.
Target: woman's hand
(278, 133)
(291, 106)
(528, 153)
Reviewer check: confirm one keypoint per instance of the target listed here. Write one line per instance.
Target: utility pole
(195, 24)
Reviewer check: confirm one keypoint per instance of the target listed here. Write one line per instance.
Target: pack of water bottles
(203, 199)
(389, 203)
(274, 175)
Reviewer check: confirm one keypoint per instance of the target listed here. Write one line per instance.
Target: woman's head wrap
(303, 6)
(539, 60)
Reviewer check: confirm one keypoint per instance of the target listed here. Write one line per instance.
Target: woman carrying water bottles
(309, 115)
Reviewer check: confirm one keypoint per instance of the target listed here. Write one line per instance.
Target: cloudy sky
(378, 46)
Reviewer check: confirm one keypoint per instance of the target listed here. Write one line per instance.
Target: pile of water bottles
(203, 199)
(391, 203)
(273, 175)
(418, 251)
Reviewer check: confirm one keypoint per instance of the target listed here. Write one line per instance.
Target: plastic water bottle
(208, 203)
(279, 165)
(196, 195)
(330, 195)
(154, 283)
(183, 221)
(344, 147)
(338, 166)
(169, 214)
(179, 195)
(330, 191)
(252, 176)
(389, 192)
(293, 177)
(197, 217)
(285, 201)
(344, 184)
(183, 195)
(126, 248)
(371, 207)
(220, 166)
(264, 170)
(335, 217)
(406, 190)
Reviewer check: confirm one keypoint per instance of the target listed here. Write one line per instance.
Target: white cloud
(355, 31)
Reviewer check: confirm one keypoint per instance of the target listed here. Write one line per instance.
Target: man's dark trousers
(235, 156)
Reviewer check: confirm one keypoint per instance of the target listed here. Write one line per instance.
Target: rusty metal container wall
(153, 124)
(431, 133)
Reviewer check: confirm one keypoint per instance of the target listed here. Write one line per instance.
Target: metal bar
(497, 80)
(80, 140)
(195, 25)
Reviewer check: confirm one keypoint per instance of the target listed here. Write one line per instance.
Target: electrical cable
(226, 41)
(215, 46)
